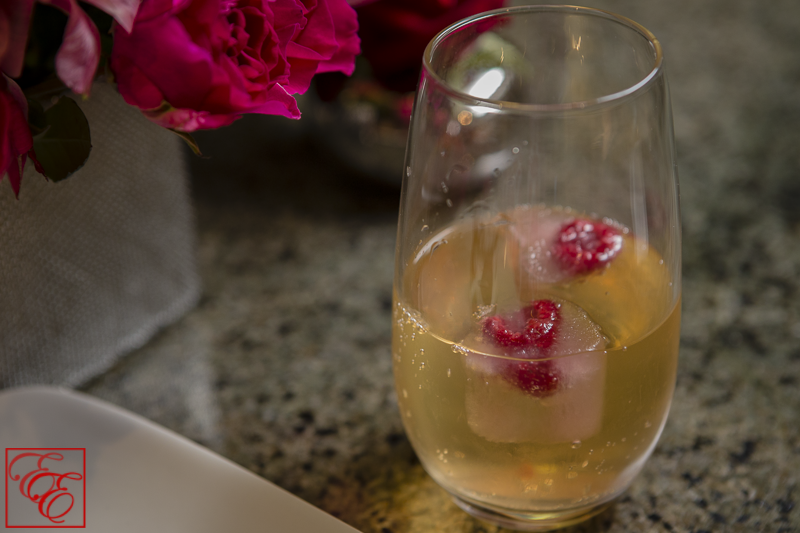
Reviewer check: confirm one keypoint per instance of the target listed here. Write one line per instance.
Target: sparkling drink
(537, 276)
(523, 427)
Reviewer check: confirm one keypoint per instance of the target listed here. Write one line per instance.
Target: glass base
(532, 521)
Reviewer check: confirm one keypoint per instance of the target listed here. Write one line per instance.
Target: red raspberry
(537, 378)
(497, 329)
(586, 245)
(541, 319)
(542, 325)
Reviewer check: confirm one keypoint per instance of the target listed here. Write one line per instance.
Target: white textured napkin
(92, 267)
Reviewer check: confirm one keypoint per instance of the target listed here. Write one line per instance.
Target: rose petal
(123, 11)
(279, 102)
(328, 43)
(79, 55)
(317, 40)
(15, 17)
(16, 93)
(300, 75)
(152, 9)
(343, 60)
(15, 135)
(134, 85)
(164, 53)
(288, 21)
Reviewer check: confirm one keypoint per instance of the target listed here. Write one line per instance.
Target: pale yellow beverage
(575, 433)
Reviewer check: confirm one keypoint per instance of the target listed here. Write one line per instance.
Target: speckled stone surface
(284, 367)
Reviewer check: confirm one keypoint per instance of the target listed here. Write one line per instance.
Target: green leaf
(37, 120)
(188, 139)
(45, 90)
(65, 146)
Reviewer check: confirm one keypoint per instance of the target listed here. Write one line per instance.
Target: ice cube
(499, 410)
(533, 233)
(446, 311)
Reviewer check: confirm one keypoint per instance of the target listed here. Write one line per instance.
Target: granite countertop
(284, 367)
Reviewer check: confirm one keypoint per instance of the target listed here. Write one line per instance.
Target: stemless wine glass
(537, 286)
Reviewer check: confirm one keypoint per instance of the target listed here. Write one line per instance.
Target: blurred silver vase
(366, 128)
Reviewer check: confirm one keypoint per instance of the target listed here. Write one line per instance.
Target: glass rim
(641, 85)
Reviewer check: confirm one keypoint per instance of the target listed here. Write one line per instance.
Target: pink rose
(394, 33)
(15, 135)
(199, 64)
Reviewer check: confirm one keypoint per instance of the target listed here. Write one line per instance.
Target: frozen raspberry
(538, 321)
(538, 327)
(538, 393)
(537, 378)
(497, 328)
(584, 245)
(542, 325)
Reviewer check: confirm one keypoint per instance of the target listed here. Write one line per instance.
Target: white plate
(142, 477)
